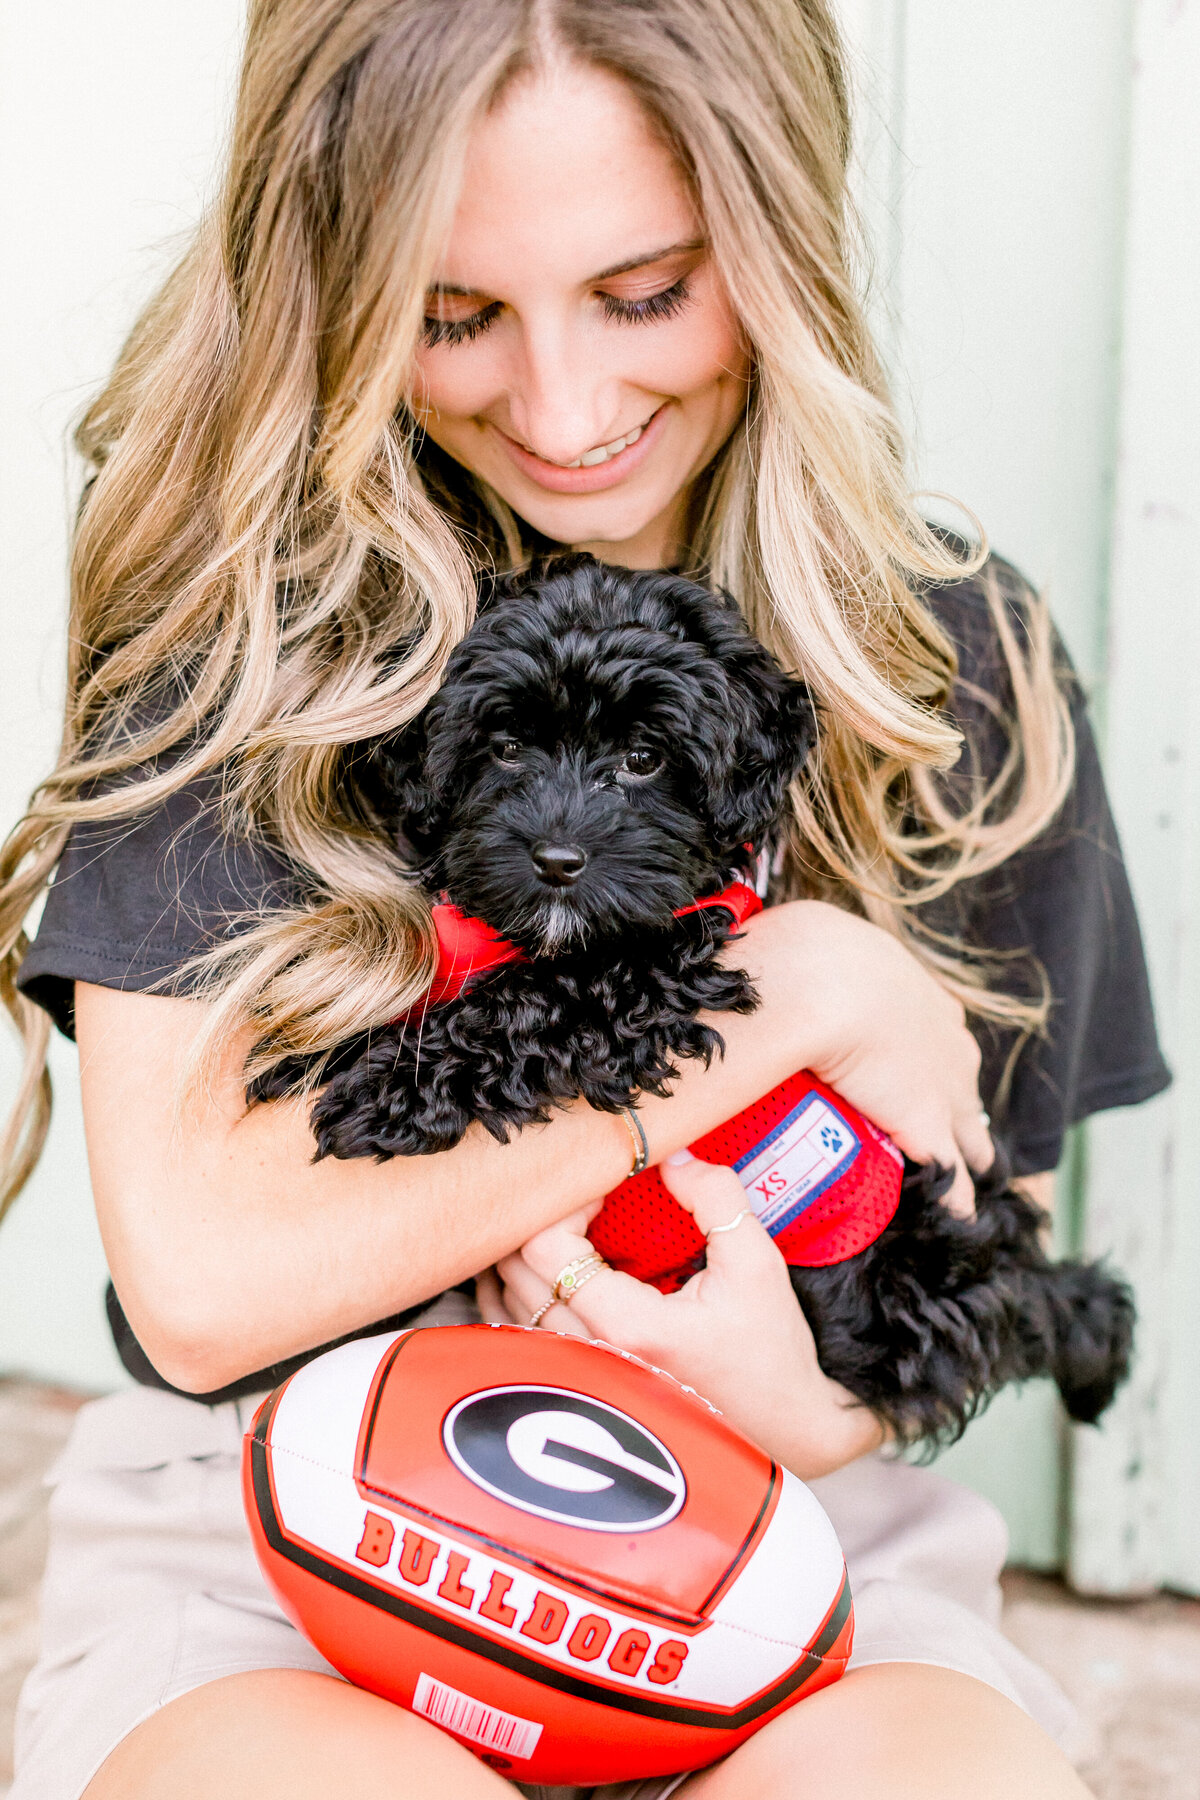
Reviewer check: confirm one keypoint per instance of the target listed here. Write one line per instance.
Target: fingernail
(680, 1156)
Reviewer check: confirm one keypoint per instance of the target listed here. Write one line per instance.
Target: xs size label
(797, 1161)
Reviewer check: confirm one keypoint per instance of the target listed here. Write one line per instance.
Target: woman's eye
(437, 331)
(666, 305)
(641, 762)
(507, 750)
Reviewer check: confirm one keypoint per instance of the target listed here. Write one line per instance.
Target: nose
(560, 404)
(558, 865)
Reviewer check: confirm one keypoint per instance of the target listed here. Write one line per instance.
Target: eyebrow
(625, 268)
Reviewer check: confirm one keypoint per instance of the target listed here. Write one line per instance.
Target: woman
(487, 275)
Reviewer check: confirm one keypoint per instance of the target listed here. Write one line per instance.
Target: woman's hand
(885, 1033)
(735, 1333)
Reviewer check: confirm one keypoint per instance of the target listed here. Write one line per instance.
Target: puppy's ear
(775, 728)
(399, 789)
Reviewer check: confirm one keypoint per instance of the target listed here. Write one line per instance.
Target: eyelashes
(666, 305)
(458, 331)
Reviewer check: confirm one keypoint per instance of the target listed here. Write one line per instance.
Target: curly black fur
(563, 676)
(532, 1035)
(927, 1323)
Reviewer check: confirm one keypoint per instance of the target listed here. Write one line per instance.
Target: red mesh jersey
(823, 1180)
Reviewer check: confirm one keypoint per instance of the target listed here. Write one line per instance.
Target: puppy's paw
(382, 1126)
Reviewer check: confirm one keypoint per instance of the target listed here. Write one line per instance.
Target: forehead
(556, 682)
(566, 176)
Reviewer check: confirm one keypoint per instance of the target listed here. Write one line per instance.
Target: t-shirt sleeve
(134, 899)
(1060, 910)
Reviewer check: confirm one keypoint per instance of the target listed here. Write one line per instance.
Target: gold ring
(732, 1225)
(572, 1278)
(582, 1279)
(537, 1317)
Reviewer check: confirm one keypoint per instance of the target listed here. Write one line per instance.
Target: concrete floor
(1132, 1668)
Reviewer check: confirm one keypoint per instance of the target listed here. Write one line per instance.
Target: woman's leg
(282, 1734)
(896, 1731)
(899, 1731)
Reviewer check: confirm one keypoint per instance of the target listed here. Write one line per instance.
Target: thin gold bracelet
(637, 1137)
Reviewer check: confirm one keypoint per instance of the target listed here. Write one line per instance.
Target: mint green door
(1031, 190)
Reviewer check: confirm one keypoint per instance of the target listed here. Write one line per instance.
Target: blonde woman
(489, 275)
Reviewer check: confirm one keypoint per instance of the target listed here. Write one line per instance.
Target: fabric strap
(468, 948)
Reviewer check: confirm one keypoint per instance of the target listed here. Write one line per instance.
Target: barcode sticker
(470, 1718)
(797, 1161)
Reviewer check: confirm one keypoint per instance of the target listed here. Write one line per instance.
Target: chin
(616, 517)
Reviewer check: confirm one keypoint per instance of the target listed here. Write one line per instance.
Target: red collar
(467, 947)
(739, 898)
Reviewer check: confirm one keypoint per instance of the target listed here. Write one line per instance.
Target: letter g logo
(564, 1456)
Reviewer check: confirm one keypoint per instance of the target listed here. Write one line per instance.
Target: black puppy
(607, 748)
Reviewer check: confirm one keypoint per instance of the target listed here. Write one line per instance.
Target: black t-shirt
(134, 900)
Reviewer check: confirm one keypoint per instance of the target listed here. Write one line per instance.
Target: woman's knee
(279, 1733)
(896, 1731)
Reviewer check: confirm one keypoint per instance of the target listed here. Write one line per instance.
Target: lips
(557, 479)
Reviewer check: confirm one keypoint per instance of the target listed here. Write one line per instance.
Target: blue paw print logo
(833, 1140)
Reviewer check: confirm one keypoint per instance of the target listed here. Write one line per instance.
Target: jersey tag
(793, 1165)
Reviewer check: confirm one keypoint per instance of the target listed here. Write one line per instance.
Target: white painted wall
(109, 119)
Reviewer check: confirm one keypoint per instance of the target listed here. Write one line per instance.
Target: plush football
(822, 1179)
(556, 1553)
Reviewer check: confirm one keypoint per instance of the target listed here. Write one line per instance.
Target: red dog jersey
(822, 1179)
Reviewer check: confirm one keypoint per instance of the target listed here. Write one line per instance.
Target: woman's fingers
(719, 1204)
(975, 1140)
(959, 1198)
(489, 1298)
(525, 1294)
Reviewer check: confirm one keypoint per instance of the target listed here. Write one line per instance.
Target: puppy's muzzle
(558, 865)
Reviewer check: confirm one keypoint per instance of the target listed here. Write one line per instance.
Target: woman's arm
(231, 1250)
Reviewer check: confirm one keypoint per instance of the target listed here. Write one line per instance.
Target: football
(549, 1549)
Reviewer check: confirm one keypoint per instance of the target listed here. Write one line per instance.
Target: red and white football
(558, 1554)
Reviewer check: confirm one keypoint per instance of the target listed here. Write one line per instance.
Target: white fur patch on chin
(559, 924)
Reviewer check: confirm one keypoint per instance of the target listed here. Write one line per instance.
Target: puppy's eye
(641, 763)
(507, 750)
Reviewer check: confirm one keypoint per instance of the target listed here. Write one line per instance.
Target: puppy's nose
(559, 865)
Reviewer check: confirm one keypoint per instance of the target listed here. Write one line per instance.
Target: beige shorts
(152, 1587)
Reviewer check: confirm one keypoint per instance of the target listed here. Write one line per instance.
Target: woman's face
(576, 309)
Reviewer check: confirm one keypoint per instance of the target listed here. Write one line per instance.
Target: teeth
(602, 452)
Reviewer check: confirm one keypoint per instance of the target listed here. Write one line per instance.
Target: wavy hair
(270, 565)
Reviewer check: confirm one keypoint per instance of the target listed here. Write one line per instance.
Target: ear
(400, 790)
(775, 729)
(769, 718)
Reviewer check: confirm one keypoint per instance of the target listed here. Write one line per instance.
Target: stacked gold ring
(576, 1275)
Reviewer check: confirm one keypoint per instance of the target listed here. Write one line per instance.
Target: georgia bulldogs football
(551, 1550)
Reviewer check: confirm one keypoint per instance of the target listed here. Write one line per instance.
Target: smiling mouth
(600, 453)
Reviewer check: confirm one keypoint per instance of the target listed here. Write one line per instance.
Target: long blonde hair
(269, 566)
